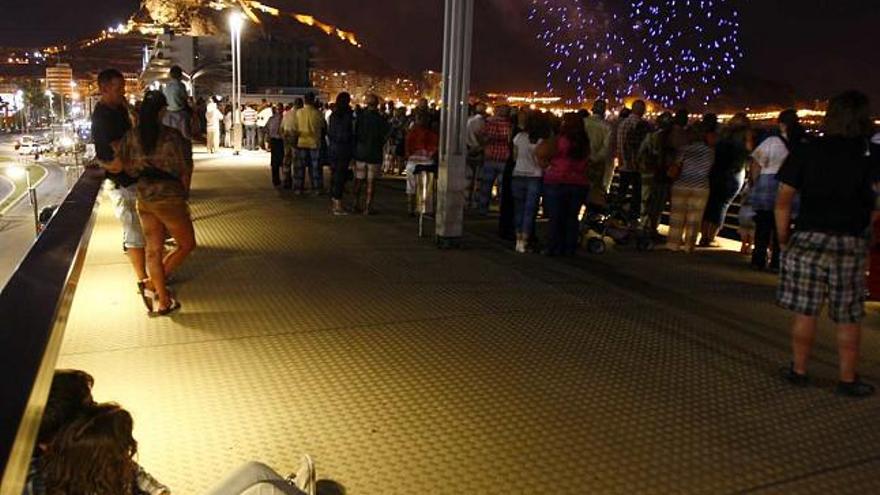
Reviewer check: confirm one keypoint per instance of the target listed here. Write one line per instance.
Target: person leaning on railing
(111, 119)
(157, 155)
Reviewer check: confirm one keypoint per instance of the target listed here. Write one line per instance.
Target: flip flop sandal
(175, 305)
(147, 295)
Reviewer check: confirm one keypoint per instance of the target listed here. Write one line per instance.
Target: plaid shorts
(818, 266)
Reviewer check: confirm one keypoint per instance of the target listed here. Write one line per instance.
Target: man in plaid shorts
(825, 259)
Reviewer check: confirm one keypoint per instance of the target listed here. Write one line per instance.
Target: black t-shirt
(835, 177)
(108, 125)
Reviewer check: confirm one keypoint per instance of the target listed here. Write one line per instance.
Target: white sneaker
(520, 246)
(305, 478)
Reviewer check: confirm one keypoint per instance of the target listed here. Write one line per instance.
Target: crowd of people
(87, 448)
(807, 202)
(805, 210)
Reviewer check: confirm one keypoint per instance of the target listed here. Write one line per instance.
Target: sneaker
(856, 388)
(304, 478)
(798, 380)
(520, 247)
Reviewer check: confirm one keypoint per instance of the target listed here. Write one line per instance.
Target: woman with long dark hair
(727, 176)
(837, 177)
(157, 156)
(95, 455)
(564, 160)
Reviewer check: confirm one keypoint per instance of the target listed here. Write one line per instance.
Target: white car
(28, 145)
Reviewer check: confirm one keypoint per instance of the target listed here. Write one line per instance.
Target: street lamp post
(16, 172)
(19, 95)
(236, 22)
(52, 111)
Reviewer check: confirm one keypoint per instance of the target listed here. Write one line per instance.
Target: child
(746, 223)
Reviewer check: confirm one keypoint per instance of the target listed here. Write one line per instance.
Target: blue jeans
(563, 203)
(308, 159)
(526, 194)
(491, 171)
(250, 137)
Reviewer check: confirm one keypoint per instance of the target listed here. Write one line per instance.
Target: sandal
(175, 305)
(147, 295)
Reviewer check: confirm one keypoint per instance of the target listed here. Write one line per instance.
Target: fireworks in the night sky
(666, 50)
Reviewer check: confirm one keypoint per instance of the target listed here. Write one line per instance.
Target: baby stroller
(613, 225)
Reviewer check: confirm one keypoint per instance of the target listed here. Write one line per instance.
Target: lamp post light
(16, 172)
(236, 23)
(51, 110)
(19, 95)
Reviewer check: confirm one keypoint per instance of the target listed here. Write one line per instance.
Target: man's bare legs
(803, 335)
(848, 344)
(138, 261)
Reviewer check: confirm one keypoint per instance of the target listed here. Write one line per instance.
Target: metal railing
(34, 306)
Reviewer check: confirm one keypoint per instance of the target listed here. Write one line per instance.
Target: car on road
(30, 145)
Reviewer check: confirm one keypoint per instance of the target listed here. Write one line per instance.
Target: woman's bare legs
(183, 233)
(154, 231)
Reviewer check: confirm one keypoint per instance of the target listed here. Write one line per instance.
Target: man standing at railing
(110, 121)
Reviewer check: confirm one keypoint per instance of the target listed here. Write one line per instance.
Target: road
(17, 224)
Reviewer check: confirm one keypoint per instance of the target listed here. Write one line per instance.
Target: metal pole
(451, 177)
(32, 195)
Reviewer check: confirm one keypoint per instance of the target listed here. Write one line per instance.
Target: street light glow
(15, 172)
(236, 21)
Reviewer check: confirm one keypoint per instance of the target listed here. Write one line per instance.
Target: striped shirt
(696, 163)
(249, 116)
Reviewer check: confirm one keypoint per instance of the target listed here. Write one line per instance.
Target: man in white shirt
(213, 119)
(601, 167)
(178, 113)
(263, 117)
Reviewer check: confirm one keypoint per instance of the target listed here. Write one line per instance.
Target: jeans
(526, 195)
(276, 146)
(307, 158)
(254, 478)
(250, 137)
(563, 203)
(340, 175)
(491, 171)
(765, 238)
(631, 186)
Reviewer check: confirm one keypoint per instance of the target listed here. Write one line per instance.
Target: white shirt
(264, 116)
(770, 155)
(526, 163)
(213, 116)
(475, 124)
(876, 138)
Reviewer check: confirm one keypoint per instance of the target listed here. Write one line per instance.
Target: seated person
(75, 428)
(421, 149)
(70, 397)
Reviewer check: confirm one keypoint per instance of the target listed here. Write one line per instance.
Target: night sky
(817, 46)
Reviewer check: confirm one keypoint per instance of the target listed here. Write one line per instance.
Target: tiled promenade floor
(408, 370)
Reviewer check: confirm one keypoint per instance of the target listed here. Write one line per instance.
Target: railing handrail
(33, 312)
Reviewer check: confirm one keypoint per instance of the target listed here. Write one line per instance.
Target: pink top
(566, 170)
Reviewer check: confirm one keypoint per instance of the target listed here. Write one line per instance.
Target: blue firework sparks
(666, 50)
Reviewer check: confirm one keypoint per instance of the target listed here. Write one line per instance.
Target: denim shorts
(125, 207)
